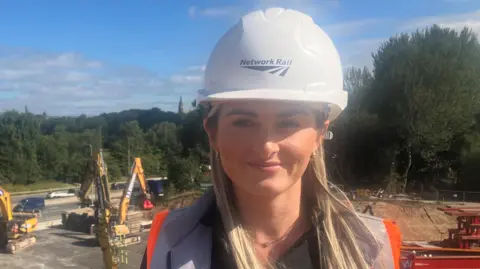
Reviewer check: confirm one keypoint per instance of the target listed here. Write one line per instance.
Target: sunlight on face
(265, 146)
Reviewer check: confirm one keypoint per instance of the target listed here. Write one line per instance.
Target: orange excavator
(137, 173)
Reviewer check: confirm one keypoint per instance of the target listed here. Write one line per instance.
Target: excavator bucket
(147, 204)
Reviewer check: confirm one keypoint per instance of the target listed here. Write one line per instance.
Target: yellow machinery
(87, 182)
(15, 229)
(112, 234)
(136, 173)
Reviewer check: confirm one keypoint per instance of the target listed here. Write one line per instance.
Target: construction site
(108, 228)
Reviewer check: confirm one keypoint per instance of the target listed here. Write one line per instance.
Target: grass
(42, 185)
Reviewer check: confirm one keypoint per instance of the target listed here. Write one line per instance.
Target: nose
(266, 144)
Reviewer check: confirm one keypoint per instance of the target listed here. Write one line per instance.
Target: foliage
(413, 114)
(38, 148)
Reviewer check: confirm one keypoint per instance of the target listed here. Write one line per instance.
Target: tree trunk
(407, 169)
(392, 182)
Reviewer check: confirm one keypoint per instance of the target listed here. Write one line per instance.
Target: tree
(183, 173)
(426, 88)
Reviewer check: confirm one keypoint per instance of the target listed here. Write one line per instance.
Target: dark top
(304, 254)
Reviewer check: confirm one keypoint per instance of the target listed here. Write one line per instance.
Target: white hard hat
(279, 54)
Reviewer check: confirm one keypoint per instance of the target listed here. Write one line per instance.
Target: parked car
(30, 205)
(60, 194)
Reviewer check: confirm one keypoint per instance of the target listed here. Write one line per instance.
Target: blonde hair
(331, 216)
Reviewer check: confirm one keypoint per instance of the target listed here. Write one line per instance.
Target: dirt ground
(418, 221)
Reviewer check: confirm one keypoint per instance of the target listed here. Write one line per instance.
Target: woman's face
(265, 146)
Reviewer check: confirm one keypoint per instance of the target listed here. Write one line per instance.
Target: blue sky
(91, 56)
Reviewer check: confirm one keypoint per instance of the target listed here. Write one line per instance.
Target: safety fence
(457, 196)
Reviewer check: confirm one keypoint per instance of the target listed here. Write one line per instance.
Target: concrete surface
(57, 249)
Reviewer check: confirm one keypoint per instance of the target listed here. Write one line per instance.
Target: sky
(73, 57)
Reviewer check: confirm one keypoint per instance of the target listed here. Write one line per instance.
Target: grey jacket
(185, 243)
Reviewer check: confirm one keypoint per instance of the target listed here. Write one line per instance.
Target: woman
(272, 85)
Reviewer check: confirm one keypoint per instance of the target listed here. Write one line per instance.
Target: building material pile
(79, 220)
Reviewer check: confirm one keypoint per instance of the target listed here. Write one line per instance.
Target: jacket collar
(185, 220)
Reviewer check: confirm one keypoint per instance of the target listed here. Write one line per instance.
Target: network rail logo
(273, 66)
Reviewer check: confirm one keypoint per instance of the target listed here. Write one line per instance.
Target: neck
(269, 218)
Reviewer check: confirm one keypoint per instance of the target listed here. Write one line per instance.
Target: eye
(288, 124)
(243, 123)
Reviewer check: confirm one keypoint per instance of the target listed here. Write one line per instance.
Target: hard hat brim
(335, 99)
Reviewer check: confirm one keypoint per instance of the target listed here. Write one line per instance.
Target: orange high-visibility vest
(154, 233)
(395, 237)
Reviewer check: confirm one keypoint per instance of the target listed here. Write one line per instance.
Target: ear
(211, 132)
(322, 132)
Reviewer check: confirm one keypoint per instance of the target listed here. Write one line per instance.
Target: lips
(266, 166)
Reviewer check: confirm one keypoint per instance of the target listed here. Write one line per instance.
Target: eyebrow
(284, 114)
(292, 112)
(240, 112)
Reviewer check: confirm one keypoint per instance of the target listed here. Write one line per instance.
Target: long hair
(331, 216)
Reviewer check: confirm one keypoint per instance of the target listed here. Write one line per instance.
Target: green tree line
(412, 121)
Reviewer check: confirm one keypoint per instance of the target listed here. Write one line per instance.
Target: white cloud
(350, 27)
(70, 84)
(454, 21)
(186, 79)
(197, 68)
(310, 7)
(215, 12)
(358, 53)
(192, 11)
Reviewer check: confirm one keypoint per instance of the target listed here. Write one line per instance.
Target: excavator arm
(88, 178)
(103, 212)
(101, 184)
(5, 205)
(136, 173)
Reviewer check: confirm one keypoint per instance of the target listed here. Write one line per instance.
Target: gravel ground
(58, 248)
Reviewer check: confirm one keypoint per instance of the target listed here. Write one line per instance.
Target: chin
(264, 185)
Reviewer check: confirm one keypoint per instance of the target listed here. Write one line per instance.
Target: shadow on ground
(82, 240)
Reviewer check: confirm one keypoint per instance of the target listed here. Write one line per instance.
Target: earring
(313, 155)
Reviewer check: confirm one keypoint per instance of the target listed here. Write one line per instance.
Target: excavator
(73, 219)
(15, 229)
(145, 203)
(111, 230)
